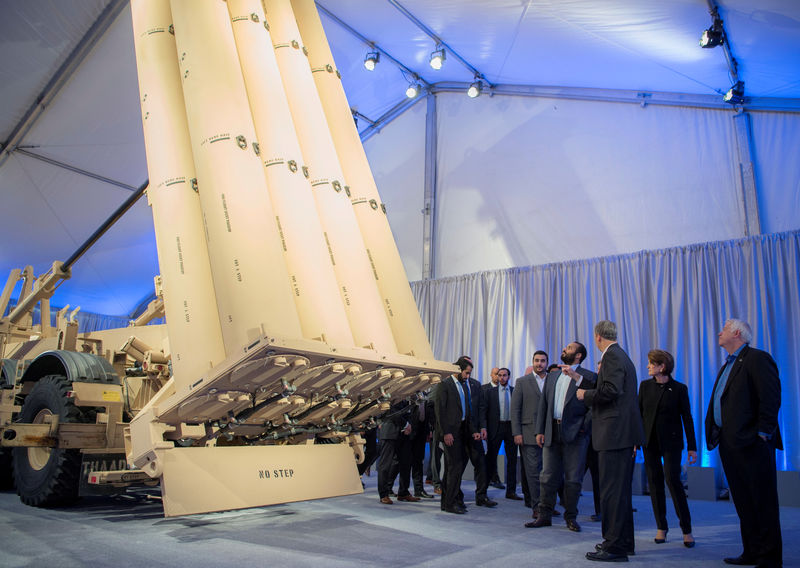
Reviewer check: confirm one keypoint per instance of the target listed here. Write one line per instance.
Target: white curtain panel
(776, 143)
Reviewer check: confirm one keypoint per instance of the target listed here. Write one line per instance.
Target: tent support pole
(744, 143)
(429, 210)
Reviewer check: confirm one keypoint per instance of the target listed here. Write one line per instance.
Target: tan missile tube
(319, 305)
(362, 301)
(250, 276)
(189, 300)
(401, 309)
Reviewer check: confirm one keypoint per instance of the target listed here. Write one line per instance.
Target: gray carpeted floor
(349, 531)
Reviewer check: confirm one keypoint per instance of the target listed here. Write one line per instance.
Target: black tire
(6, 477)
(48, 477)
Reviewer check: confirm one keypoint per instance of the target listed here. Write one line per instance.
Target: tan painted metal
(351, 263)
(249, 272)
(255, 476)
(319, 304)
(309, 353)
(189, 299)
(398, 301)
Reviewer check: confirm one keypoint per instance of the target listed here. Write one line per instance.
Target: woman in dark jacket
(664, 403)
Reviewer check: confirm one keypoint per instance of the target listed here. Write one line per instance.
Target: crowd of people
(564, 419)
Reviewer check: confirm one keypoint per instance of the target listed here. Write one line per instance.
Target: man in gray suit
(524, 410)
(562, 430)
(616, 429)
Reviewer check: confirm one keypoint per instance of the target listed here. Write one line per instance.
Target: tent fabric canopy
(91, 124)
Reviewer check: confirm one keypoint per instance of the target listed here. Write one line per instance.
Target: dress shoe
(486, 503)
(573, 525)
(423, 494)
(688, 543)
(455, 510)
(599, 546)
(497, 485)
(539, 522)
(606, 556)
(661, 540)
(437, 490)
(513, 497)
(556, 512)
(409, 498)
(740, 560)
(387, 500)
(596, 518)
(428, 482)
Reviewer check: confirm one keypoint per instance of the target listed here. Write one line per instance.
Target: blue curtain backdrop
(675, 299)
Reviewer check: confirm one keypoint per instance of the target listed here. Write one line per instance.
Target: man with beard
(562, 430)
(524, 410)
(459, 432)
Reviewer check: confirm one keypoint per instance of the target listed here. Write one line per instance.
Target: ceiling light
(735, 95)
(413, 90)
(437, 58)
(475, 89)
(371, 60)
(712, 37)
(715, 35)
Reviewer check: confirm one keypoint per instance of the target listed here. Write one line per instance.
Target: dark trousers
(474, 453)
(562, 463)
(454, 463)
(752, 480)
(526, 490)
(502, 436)
(417, 457)
(616, 508)
(370, 450)
(656, 474)
(591, 466)
(394, 460)
(532, 460)
(387, 466)
(435, 463)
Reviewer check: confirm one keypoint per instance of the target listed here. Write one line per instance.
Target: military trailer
(290, 325)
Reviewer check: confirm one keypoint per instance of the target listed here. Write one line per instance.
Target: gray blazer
(525, 408)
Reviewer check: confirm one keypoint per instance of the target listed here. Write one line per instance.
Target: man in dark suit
(457, 430)
(616, 429)
(395, 452)
(563, 424)
(743, 419)
(524, 410)
(474, 450)
(496, 422)
(421, 419)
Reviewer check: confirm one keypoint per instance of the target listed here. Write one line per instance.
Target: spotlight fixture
(712, 38)
(715, 35)
(437, 58)
(735, 95)
(475, 89)
(412, 90)
(371, 60)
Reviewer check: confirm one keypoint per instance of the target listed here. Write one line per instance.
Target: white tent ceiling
(75, 57)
